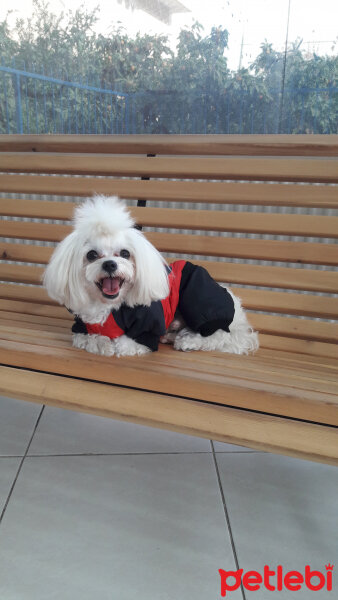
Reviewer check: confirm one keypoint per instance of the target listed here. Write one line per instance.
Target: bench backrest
(267, 226)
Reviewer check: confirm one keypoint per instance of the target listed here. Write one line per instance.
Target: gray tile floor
(93, 509)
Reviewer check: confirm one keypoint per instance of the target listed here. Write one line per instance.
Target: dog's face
(109, 268)
(105, 262)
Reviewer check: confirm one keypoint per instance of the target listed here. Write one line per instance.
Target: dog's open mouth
(110, 286)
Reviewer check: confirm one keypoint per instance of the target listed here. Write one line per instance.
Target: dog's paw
(105, 346)
(187, 340)
(168, 338)
(92, 345)
(95, 344)
(80, 340)
(125, 346)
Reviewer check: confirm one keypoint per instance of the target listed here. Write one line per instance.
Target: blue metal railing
(35, 103)
(42, 104)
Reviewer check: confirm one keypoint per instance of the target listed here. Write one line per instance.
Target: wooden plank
(45, 340)
(291, 396)
(297, 346)
(28, 332)
(263, 366)
(34, 231)
(261, 432)
(233, 222)
(39, 321)
(279, 277)
(252, 144)
(25, 252)
(229, 247)
(292, 304)
(232, 168)
(238, 193)
(37, 209)
(31, 308)
(21, 274)
(209, 220)
(305, 329)
(10, 291)
(277, 194)
(296, 360)
(300, 252)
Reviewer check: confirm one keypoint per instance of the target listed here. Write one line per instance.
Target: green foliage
(189, 90)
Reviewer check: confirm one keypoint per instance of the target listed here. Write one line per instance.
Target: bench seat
(282, 399)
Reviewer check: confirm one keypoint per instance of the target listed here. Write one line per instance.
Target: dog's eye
(92, 255)
(125, 254)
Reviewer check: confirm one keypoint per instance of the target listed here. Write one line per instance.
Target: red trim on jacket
(170, 303)
(109, 328)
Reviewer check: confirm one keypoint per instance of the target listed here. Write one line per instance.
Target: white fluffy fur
(104, 224)
(241, 339)
(100, 344)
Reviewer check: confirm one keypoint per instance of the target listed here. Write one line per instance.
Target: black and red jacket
(203, 304)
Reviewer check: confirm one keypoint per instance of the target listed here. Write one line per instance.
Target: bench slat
(300, 252)
(17, 317)
(36, 294)
(263, 169)
(27, 331)
(240, 144)
(294, 346)
(257, 300)
(279, 277)
(232, 222)
(33, 309)
(265, 194)
(270, 250)
(209, 220)
(305, 329)
(262, 432)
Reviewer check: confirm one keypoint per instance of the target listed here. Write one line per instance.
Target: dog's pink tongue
(110, 286)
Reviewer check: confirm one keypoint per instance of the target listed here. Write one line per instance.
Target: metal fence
(35, 103)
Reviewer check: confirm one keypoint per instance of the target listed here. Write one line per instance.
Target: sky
(249, 22)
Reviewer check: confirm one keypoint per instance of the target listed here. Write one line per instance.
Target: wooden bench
(284, 398)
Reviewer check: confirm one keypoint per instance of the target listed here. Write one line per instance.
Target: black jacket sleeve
(79, 326)
(144, 324)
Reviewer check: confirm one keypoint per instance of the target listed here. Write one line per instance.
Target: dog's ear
(62, 276)
(151, 279)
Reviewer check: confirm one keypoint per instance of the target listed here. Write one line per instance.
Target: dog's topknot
(107, 215)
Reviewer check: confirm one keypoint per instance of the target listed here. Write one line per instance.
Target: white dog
(126, 299)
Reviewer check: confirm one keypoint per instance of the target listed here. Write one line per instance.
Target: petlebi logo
(276, 580)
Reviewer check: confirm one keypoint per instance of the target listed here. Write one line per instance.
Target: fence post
(126, 113)
(18, 105)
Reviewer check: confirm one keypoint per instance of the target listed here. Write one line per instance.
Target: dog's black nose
(109, 266)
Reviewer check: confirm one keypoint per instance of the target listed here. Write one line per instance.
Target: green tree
(187, 90)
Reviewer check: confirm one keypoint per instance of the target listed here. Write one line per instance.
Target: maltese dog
(126, 299)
